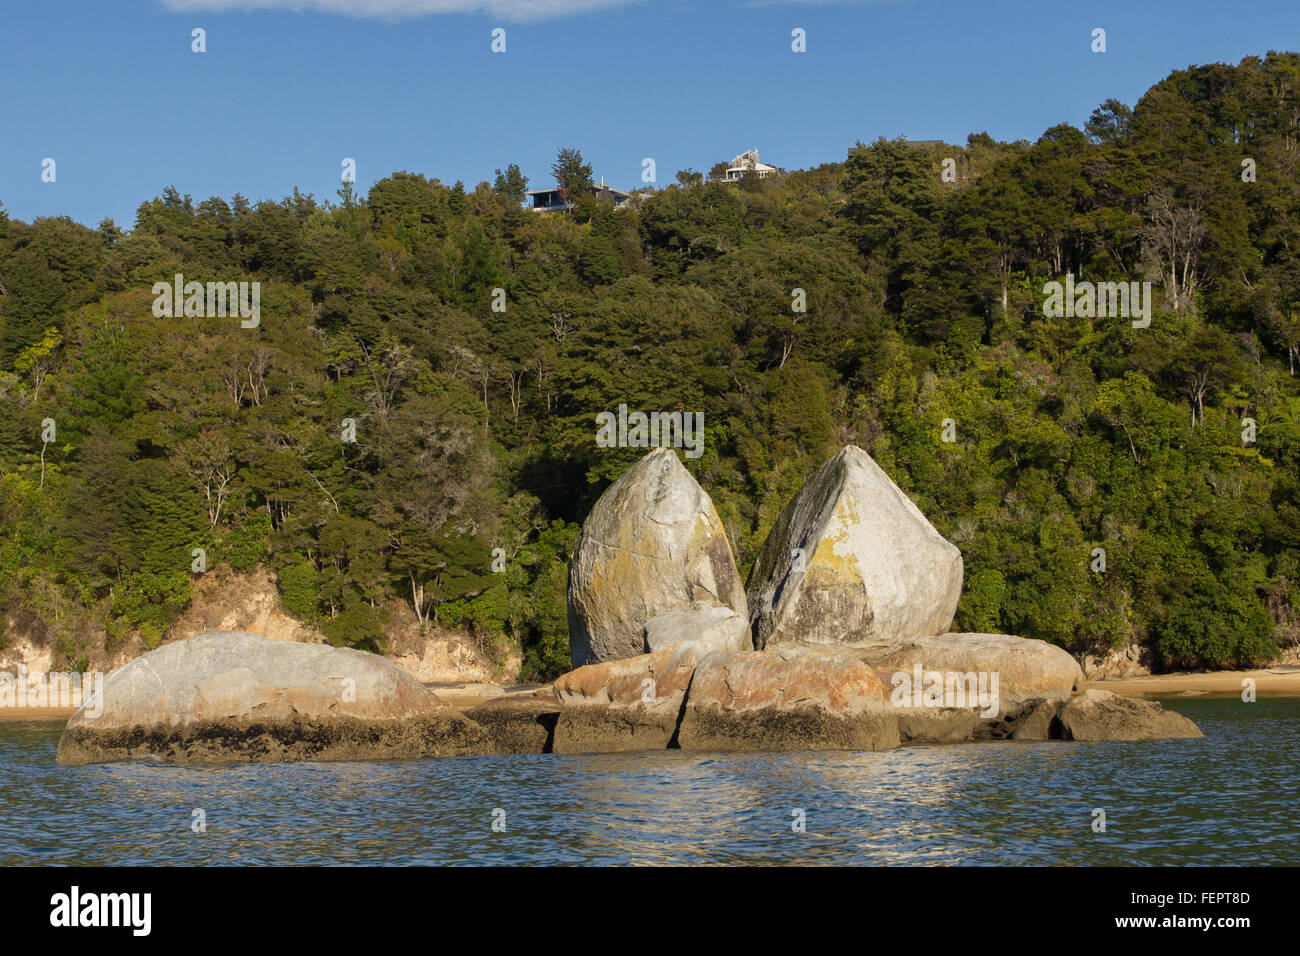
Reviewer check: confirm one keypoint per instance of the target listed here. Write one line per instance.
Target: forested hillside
(475, 428)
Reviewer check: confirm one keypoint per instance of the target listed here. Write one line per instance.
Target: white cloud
(405, 9)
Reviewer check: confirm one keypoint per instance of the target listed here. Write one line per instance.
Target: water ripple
(1226, 799)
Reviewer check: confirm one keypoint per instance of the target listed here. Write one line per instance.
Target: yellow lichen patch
(840, 562)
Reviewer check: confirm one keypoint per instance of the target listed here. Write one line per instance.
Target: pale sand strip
(1281, 681)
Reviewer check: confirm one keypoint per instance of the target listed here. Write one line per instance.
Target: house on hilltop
(549, 200)
(745, 162)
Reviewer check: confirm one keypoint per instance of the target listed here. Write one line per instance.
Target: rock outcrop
(630, 704)
(1100, 715)
(519, 725)
(787, 699)
(852, 561)
(1017, 669)
(229, 696)
(652, 545)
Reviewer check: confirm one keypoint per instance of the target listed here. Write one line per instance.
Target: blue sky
(287, 88)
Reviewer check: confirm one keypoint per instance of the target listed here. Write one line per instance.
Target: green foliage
(921, 302)
(245, 546)
(300, 590)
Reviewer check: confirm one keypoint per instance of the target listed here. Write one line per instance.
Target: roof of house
(596, 188)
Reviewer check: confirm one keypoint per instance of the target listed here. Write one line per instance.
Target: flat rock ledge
(230, 696)
(1026, 669)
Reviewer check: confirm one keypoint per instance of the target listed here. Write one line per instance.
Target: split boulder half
(652, 566)
(230, 696)
(852, 561)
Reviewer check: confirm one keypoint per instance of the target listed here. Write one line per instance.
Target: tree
(1109, 122)
(572, 174)
(512, 184)
(1171, 244)
(1205, 364)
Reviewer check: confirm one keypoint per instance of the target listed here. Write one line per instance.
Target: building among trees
(746, 161)
(548, 200)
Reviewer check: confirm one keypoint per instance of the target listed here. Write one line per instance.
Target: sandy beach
(1277, 681)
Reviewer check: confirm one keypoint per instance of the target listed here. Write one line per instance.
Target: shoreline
(1278, 681)
(1282, 680)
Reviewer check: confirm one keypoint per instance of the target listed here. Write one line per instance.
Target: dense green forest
(129, 439)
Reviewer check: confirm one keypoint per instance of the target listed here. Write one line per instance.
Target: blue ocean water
(1230, 798)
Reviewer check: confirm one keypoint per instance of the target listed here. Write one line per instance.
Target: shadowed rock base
(446, 734)
(711, 727)
(592, 728)
(518, 725)
(1031, 720)
(1100, 715)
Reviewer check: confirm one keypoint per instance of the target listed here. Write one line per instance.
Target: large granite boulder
(1101, 715)
(629, 704)
(787, 699)
(852, 561)
(228, 696)
(652, 545)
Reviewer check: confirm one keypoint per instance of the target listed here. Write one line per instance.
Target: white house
(743, 163)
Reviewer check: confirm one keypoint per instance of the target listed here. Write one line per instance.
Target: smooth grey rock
(709, 628)
(868, 567)
(234, 696)
(652, 544)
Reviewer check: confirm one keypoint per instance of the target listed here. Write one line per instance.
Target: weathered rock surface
(852, 561)
(1026, 669)
(1101, 715)
(787, 699)
(232, 696)
(519, 725)
(708, 628)
(652, 544)
(630, 704)
(1128, 661)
